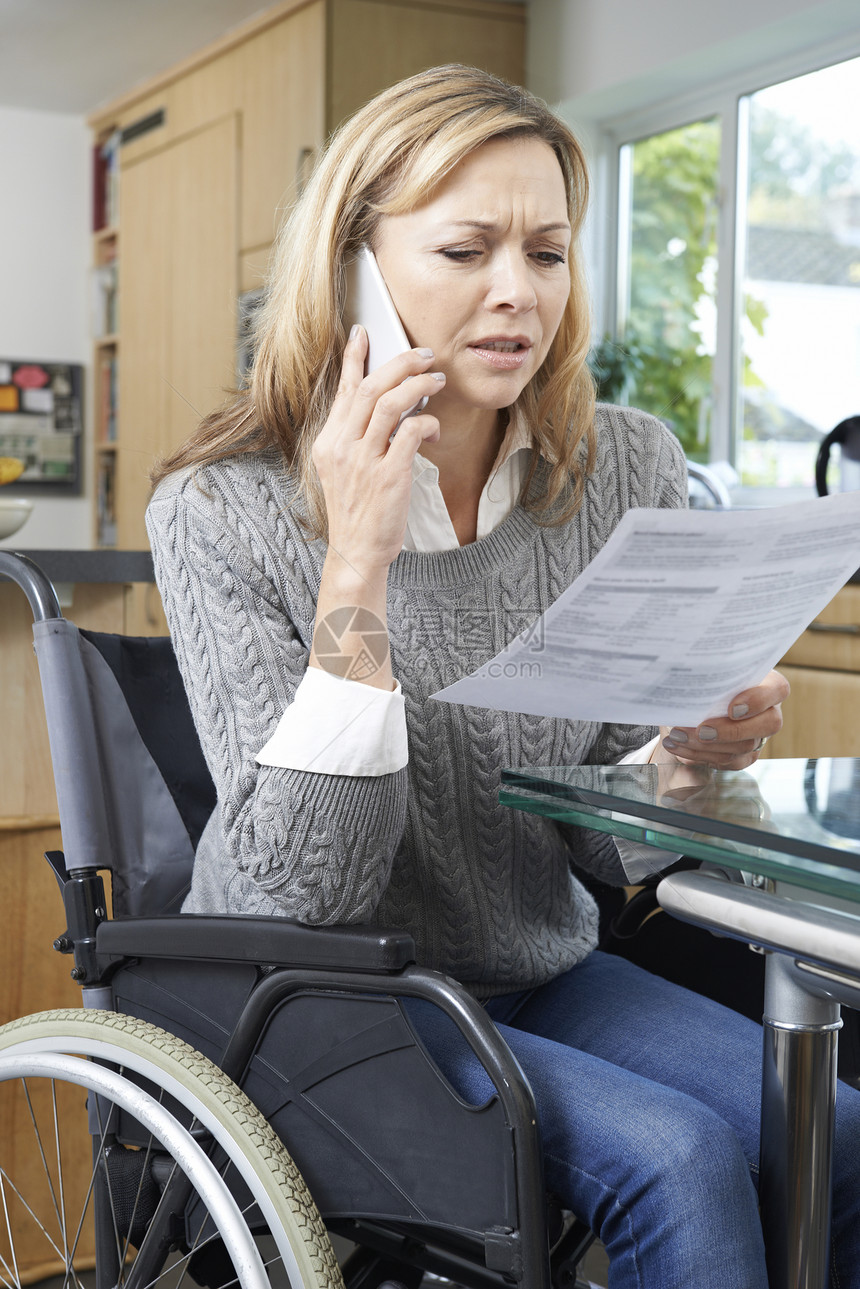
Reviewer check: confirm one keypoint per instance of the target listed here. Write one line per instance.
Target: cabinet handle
(835, 628)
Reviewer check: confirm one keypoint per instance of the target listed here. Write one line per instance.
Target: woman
(326, 568)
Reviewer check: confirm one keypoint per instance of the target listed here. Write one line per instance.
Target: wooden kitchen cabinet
(178, 213)
(210, 154)
(822, 716)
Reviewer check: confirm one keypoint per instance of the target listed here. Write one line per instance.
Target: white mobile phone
(368, 302)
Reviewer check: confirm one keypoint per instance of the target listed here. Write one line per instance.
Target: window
(669, 186)
(738, 274)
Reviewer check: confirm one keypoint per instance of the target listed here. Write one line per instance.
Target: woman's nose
(511, 284)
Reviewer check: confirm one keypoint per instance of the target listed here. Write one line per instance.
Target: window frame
(728, 100)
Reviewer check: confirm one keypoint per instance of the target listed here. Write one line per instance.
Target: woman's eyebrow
(489, 227)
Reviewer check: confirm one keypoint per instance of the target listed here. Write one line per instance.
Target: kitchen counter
(79, 566)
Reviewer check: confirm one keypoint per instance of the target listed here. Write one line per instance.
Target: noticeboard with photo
(41, 422)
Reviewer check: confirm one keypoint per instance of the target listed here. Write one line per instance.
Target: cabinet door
(373, 43)
(820, 716)
(832, 641)
(281, 79)
(178, 266)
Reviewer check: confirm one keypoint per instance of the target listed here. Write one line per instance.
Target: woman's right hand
(366, 476)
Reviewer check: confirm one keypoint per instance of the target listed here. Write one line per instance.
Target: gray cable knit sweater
(486, 891)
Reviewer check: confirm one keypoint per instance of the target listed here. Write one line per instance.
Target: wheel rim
(178, 1142)
(40, 1064)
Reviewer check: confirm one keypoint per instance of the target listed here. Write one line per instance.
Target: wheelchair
(235, 1092)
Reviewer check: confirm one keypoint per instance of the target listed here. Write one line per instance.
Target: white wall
(44, 258)
(602, 58)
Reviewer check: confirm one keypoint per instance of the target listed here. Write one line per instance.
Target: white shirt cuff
(637, 860)
(337, 726)
(640, 755)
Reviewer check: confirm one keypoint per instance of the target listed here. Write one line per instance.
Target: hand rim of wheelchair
(202, 1089)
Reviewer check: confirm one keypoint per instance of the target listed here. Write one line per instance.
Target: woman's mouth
(504, 355)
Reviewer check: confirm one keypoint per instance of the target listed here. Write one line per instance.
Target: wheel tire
(48, 1191)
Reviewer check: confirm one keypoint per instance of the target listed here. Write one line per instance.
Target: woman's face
(479, 272)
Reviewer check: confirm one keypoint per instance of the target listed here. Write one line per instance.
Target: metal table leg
(816, 962)
(797, 1116)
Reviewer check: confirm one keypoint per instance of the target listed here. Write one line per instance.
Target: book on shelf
(106, 181)
(107, 399)
(99, 188)
(105, 299)
(106, 533)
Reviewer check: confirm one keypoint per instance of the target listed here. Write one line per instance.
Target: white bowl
(14, 511)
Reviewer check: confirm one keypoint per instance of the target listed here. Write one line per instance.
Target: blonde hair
(385, 160)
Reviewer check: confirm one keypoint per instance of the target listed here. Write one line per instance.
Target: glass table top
(796, 821)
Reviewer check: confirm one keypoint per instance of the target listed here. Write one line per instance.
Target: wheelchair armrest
(270, 940)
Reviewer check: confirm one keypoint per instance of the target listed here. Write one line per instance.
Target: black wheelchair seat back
(147, 674)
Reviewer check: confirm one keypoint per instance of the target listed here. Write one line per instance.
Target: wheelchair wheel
(144, 1164)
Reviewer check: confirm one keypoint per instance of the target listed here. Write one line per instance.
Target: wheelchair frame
(288, 962)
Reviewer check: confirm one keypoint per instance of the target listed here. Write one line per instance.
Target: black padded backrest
(147, 673)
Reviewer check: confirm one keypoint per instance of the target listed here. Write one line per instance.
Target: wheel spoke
(5, 1178)
(134, 1075)
(70, 1264)
(101, 1158)
(9, 1233)
(41, 1148)
(63, 1232)
(196, 1242)
(143, 1174)
(61, 1223)
(199, 1244)
(153, 1222)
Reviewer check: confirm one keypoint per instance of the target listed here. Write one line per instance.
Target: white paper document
(679, 612)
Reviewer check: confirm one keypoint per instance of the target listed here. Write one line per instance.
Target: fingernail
(706, 733)
(425, 353)
(669, 745)
(740, 710)
(440, 376)
(354, 331)
(677, 736)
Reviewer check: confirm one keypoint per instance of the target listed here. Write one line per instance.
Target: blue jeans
(648, 1097)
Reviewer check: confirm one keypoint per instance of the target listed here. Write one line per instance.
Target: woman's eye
(468, 255)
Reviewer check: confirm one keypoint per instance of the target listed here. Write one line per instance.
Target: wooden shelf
(28, 823)
(106, 234)
(107, 342)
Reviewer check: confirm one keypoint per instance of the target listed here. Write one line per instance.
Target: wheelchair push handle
(36, 586)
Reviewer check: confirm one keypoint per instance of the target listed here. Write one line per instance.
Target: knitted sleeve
(318, 846)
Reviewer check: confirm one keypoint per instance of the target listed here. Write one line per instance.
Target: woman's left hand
(734, 741)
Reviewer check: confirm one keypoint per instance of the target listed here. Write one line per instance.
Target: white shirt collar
(429, 527)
